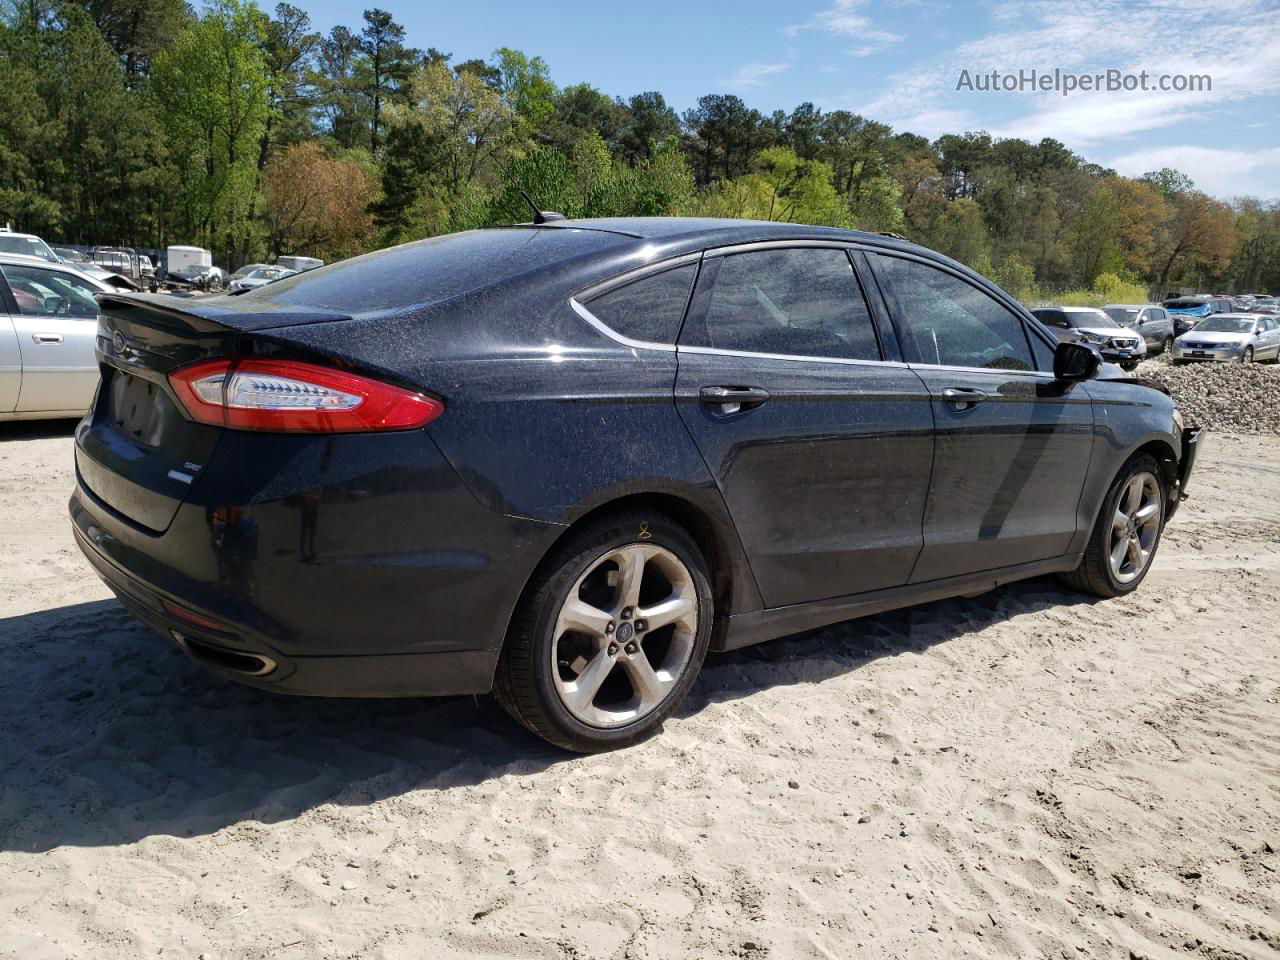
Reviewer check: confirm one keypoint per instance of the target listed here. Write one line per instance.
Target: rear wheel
(1166, 344)
(611, 635)
(1126, 534)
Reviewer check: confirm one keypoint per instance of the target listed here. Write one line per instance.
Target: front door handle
(733, 399)
(47, 337)
(962, 398)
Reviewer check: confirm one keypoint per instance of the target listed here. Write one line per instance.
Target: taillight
(287, 396)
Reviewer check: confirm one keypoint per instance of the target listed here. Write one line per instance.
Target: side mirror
(1076, 361)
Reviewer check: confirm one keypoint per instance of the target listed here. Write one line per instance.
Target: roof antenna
(540, 216)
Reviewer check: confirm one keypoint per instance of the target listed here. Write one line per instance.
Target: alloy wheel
(624, 635)
(1135, 527)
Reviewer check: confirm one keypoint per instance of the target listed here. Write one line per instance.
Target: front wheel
(1166, 344)
(1129, 366)
(610, 635)
(1247, 356)
(1126, 534)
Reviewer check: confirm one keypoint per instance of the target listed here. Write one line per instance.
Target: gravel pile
(1226, 397)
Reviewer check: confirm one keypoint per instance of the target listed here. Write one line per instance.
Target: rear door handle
(47, 337)
(733, 399)
(962, 398)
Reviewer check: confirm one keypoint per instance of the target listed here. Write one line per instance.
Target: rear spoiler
(217, 314)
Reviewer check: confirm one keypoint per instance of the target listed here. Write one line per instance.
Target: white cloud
(1221, 172)
(1088, 36)
(841, 19)
(754, 74)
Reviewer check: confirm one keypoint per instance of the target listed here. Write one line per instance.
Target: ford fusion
(564, 461)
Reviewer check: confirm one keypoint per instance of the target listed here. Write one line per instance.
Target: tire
(550, 648)
(1166, 344)
(1097, 573)
(1247, 356)
(1129, 367)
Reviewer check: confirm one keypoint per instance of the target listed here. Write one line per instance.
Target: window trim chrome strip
(601, 327)
(751, 354)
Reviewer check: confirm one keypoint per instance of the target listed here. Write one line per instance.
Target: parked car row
(183, 267)
(1123, 333)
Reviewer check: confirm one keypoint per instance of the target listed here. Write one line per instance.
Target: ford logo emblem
(118, 342)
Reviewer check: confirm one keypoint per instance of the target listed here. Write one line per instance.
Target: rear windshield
(30, 246)
(429, 271)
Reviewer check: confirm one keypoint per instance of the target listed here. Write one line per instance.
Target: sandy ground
(1025, 774)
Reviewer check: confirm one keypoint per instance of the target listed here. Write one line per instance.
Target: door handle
(733, 399)
(962, 398)
(47, 337)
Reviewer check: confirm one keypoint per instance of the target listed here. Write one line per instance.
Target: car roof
(1131, 306)
(1072, 309)
(1238, 315)
(712, 231)
(23, 260)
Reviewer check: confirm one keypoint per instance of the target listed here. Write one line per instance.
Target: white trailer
(299, 263)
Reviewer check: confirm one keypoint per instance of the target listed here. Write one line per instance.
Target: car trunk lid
(136, 450)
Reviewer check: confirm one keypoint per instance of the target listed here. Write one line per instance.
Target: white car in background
(48, 325)
(260, 278)
(27, 245)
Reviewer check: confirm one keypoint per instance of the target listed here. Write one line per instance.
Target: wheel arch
(732, 585)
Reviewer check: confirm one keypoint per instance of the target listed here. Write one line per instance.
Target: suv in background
(1188, 311)
(1117, 344)
(1148, 320)
(26, 245)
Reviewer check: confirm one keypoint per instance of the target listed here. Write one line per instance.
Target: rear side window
(943, 320)
(648, 309)
(799, 301)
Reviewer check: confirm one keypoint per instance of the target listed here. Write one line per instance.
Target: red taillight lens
(286, 396)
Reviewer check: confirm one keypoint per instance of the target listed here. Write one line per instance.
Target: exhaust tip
(236, 661)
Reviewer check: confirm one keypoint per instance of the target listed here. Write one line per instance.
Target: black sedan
(563, 461)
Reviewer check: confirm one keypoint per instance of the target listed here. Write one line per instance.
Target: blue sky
(898, 61)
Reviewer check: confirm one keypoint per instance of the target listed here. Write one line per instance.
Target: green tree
(385, 65)
(215, 80)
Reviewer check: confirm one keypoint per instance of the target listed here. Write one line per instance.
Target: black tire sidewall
(576, 560)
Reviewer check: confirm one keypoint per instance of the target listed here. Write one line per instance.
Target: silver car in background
(1148, 320)
(48, 324)
(260, 278)
(1117, 343)
(1241, 337)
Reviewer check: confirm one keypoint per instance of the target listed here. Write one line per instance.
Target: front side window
(798, 301)
(943, 320)
(649, 309)
(46, 293)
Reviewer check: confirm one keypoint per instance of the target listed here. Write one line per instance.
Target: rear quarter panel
(551, 436)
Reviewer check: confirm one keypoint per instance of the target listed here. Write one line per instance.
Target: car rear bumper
(342, 589)
(253, 660)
